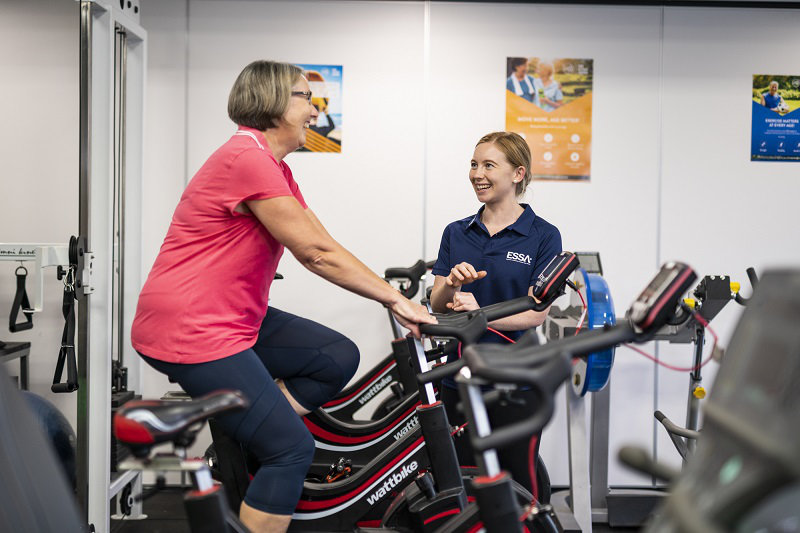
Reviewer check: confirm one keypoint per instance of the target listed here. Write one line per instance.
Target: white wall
(671, 176)
(468, 51)
(39, 153)
(369, 196)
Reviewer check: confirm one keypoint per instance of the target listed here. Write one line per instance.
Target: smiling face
(493, 178)
(299, 115)
(773, 88)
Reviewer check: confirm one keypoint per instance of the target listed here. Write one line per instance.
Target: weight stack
(118, 451)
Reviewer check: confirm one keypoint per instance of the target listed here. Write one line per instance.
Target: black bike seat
(145, 423)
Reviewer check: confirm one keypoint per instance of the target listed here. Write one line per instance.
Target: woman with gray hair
(202, 317)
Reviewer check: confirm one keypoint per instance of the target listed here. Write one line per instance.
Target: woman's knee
(345, 355)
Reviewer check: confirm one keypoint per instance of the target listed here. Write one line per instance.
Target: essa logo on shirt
(518, 258)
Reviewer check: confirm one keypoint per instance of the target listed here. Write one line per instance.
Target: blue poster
(776, 118)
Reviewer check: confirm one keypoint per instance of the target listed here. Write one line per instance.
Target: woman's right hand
(410, 315)
(463, 274)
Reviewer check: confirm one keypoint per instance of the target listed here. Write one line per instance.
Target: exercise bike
(424, 455)
(141, 425)
(544, 368)
(710, 296)
(364, 392)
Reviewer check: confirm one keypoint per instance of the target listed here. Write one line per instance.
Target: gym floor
(165, 514)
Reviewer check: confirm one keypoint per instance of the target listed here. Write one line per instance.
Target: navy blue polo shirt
(512, 258)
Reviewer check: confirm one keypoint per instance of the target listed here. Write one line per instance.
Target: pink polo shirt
(207, 293)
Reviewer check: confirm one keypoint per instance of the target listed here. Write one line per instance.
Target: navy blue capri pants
(314, 362)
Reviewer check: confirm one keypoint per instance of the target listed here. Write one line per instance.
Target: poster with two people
(549, 103)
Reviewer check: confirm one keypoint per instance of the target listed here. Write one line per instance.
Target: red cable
(583, 302)
(703, 322)
(459, 428)
(501, 335)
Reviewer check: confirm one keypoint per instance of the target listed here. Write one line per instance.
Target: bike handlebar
(751, 275)
(413, 274)
(469, 326)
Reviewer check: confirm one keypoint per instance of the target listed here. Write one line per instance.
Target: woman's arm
(444, 288)
(441, 294)
(302, 233)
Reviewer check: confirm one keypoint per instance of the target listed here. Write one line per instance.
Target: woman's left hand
(410, 315)
(463, 301)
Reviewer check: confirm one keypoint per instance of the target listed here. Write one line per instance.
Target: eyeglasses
(304, 94)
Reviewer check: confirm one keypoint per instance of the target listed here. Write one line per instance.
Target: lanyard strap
(20, 301)
(250, 134)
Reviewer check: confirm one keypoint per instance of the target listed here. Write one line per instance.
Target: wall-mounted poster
(325, 82)
(549, 103)
(776, 119)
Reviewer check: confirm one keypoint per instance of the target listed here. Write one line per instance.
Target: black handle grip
(510, 307)
(638, 459)
(544, 381)
(441, 372)
(63, 387)
(671, 427)
(412, 274)
(577, 346)
(466, 327)
(751, 275)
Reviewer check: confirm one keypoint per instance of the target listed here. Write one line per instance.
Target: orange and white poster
(549, 103)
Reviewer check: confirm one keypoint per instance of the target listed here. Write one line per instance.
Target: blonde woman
(550, 95)
(492, 256)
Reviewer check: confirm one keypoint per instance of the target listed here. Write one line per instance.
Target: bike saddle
(145, 423)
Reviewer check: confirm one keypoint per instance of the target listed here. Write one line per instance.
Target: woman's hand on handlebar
(463, 301)
(410, 315)
(462, 274)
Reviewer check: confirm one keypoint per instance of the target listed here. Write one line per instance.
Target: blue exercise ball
(57, 430)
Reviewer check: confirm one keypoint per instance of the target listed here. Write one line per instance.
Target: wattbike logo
(518, 257)
(410, 425)
(392, 481)
(375, 389)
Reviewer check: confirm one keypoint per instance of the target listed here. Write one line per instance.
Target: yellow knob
(735, 286)
(699, 393)
(690, 302)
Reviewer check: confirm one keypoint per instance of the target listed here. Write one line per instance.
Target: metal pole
(695, 380)
(121, 197)
(84, 180)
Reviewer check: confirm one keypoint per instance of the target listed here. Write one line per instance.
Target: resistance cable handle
(20, 302)
(66, 354)
(413, 274)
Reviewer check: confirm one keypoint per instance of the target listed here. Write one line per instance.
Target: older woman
(550, 95)
(771, 99)
(203, 317)
(493, 256)
(519, 81)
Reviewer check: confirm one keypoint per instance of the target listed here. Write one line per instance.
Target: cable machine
(113, 48)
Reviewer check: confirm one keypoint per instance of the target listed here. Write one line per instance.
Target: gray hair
(260, 95)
